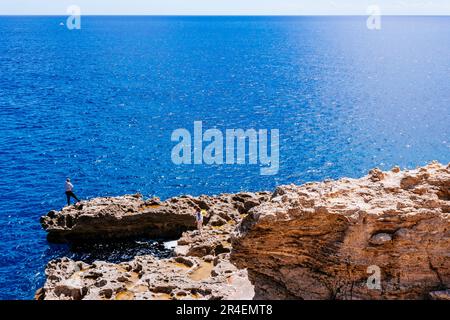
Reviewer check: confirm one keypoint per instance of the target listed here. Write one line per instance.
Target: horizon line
(226, 15)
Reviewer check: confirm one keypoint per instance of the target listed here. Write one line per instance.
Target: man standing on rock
(199, 219)
(69, 192)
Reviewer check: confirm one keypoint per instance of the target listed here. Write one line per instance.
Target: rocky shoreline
(131, 216)
(200, 268)
(315, 241)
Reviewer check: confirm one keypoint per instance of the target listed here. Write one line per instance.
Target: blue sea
(99, 105)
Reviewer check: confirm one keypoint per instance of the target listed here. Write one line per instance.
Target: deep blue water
(99, 105)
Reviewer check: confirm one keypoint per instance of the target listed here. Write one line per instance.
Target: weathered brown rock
(316, 241)
(131, 216)
(320, 240)
(440, 295)
(146, 278)
(200, 269)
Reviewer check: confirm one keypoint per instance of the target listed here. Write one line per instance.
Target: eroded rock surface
(131, 216)
(146, 278)
(320, 240)
(315, 241)
(200, 268)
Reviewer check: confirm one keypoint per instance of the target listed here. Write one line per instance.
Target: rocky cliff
(131, 216)
(200, 268)
(384, 236)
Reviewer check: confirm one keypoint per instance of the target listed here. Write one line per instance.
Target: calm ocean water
(99, 105)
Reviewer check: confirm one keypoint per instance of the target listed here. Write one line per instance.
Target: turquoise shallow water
(99, 105)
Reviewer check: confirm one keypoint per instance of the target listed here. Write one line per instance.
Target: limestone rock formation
(331, 240)
(384, 236)
(131, 216)
(145, 278)
(440, 295)
(200, 268)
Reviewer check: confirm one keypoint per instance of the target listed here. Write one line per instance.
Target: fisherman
(69, 192)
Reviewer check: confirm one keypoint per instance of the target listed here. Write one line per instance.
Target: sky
(224, 7)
